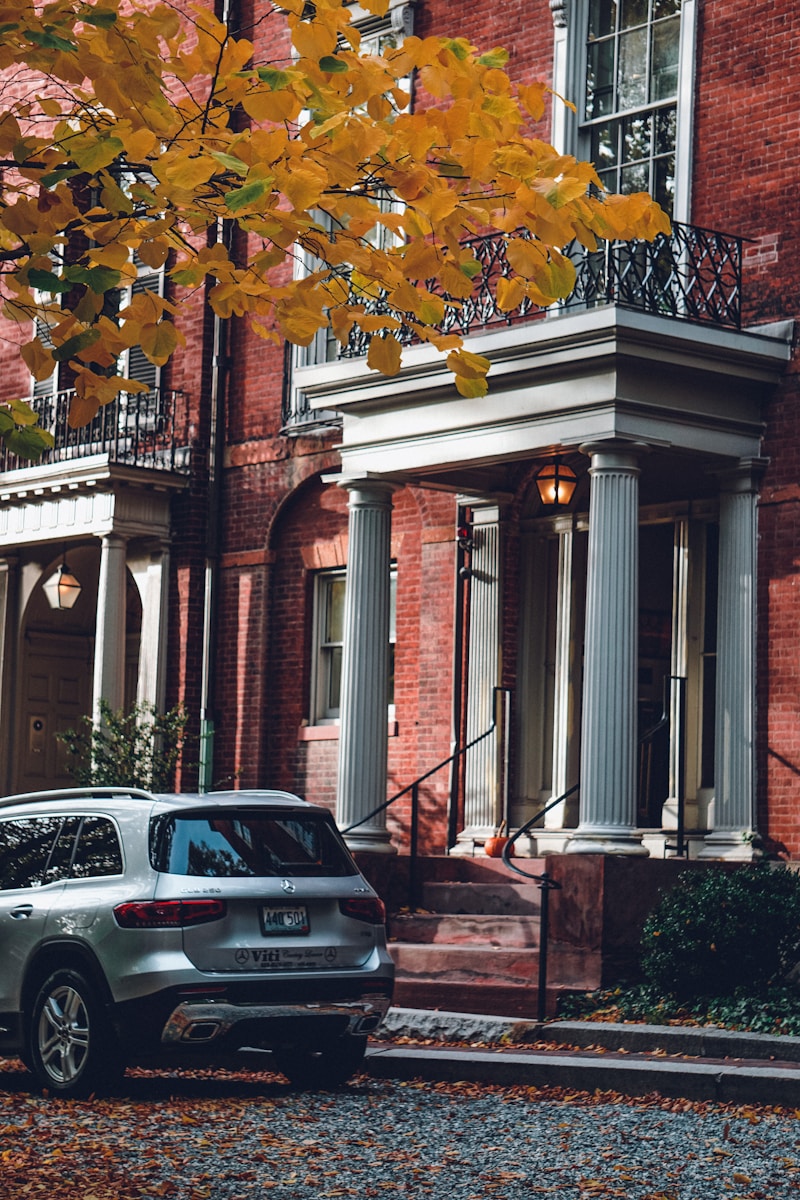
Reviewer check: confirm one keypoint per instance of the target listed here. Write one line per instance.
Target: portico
(663, 420)
(112, 524)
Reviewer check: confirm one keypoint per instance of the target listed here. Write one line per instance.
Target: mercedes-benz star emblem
(287, 885)
(242, 956)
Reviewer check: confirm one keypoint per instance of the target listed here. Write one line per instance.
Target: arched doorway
(56, 668)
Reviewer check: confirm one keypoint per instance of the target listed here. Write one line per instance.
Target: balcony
(149, 430)
(692, 274)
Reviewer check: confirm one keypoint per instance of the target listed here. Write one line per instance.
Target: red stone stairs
(473, 946)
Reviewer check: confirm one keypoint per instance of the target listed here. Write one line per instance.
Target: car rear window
(240, 843)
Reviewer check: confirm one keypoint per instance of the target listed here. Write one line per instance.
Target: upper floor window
(629, 117)
(376, 34)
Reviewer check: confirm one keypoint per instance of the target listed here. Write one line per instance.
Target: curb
(695, 1041)
(707, 1063)
(738, 1083)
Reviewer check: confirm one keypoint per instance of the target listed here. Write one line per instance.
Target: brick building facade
(667, 580)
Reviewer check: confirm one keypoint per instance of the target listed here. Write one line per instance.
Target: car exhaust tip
(368, 1024)
(201, 1031)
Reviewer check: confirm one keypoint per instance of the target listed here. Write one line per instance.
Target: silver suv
(136, 927)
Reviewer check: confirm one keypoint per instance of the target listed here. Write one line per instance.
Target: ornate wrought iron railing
(692, 274)
(147, 430)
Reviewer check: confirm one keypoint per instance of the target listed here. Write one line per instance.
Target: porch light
(62, 589)
(556, 483)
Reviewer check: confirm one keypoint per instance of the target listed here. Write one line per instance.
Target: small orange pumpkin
(493, 846)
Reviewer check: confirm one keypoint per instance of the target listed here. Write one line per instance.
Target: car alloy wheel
(72, 1049)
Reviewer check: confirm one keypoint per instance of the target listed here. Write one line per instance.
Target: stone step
(480, 869)
(460, 928)
(498, 898)
(510, 1000)
(489, 966)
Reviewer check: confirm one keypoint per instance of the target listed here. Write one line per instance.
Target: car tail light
(167, 914)
(364, 908)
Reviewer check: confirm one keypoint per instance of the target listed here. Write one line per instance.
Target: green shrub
(134, 747)
(721, 929)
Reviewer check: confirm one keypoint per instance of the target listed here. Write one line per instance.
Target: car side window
(98, 851)
(61, 854)
(25, 848)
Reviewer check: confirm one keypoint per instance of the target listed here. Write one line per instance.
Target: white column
(152, 578)
(109, 645)
(678, 670)
(363, 734)
(608, 759)
(734, 743)
(482, 800)
(8, 580)
(566, 704)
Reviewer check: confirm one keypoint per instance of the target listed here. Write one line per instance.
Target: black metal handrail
(413, 788)
(546, 882)
(150, 429)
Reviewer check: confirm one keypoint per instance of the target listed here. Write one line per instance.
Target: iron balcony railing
(691, 274)
(146, 430)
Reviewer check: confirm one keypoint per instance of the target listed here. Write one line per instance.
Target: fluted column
(153, 580)
(608, 758)
(363, 734)
(8, 651)
(482, 800)
(678, 671)
(734, 744)
(109, 645)
(566, 702)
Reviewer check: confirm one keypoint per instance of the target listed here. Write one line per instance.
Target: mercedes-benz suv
(140, 927)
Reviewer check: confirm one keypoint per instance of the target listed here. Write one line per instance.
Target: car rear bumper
(262, 1013)
(269, 1026)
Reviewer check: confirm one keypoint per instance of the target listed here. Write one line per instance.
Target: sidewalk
(677, 1061)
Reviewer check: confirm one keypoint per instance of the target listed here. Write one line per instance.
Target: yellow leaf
(384, 355)
(139, 143)
(525, 257)
(313, 39)
(266, 105)
(38, 360)
(83, 408)
(509, 293)
(153, 254)
(159, 341)
(471, 388)
(469, 365)
(372, 323)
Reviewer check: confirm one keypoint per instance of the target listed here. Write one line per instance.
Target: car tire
(328, 1067)
(72, 1049)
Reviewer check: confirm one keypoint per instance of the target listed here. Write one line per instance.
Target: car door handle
(21, 912)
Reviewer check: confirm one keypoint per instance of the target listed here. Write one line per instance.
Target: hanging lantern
(62, 589)
(556, 483)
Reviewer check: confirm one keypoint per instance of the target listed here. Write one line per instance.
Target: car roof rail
(79, 793)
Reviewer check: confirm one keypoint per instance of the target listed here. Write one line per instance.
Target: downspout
(219, 367)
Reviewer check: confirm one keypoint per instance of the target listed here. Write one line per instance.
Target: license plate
(284, 919)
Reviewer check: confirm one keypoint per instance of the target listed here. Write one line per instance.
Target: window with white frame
(629, 123)
(329, 597)
(376, 34)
